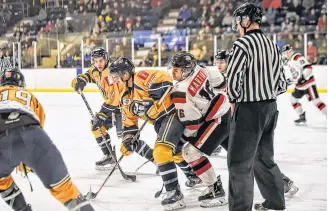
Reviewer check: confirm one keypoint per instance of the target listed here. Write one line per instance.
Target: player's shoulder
(297, 56)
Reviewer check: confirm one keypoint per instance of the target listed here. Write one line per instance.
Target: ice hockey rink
(300, 151)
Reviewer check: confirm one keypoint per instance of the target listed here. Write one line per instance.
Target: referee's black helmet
(253, 12)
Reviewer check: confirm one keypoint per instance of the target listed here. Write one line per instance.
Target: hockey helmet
(121, 65)
(184, 60)
(12, 76)
(247, 10)
(99, 52)
(286, 48)
(221, 55)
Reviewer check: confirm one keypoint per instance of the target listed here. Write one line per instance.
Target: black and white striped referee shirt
(255, 69)
(4, 63)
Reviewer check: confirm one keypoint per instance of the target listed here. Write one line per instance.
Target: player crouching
(23, 139)
(206, 117)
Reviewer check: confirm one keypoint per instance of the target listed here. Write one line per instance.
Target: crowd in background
(204, 19)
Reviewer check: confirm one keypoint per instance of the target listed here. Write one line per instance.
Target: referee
(4, 62)
(255, 77)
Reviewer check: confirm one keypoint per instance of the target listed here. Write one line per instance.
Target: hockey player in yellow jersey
(23, 139)
(110, 112)
(141, 98)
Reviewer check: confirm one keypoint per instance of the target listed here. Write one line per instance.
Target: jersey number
(181, 113)
(20, 95)
(207, 91)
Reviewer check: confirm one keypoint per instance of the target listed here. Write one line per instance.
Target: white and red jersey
(197, 101)
(301, 71)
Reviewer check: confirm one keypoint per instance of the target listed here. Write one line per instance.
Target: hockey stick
(113, 154)
(92, 195)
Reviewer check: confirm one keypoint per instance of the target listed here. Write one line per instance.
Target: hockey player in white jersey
(206, 117)
(302, 77)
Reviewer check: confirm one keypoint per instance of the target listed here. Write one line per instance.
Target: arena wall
(59, 80)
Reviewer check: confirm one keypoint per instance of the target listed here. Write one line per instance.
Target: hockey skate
(289, 187)
(192, 181)
(213, 196)
(260, 207)
(106, 163)
(173, 200)
(27, 208)
(79, 204)
(301, 121)
(217, 151)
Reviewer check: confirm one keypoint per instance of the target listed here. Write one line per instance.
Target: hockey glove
(151, 110)
(80, 82)
(98, 120)
(127, 147)
(289, 82)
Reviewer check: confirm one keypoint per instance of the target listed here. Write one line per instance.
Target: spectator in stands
(185, 12)
(298, 47)
(227, 20)
(88, 47)
(117, 52)
(81, 9)
(196, 51)
(204, 13)
(287, 26)
(280, 41)
(103, 28)
(152, 57)
(308, 4)
(69, 60)
(128, 28)
(312, 19)
(71, 6)
(165, 54)
(312, 53)
(205, 56)
(217, 31)
(138, 26)
(322, 52)
(317, 41)
(322, 23)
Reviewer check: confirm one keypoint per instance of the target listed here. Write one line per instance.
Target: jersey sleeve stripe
(215, 108)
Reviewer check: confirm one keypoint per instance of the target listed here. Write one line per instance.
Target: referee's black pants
(250, 153)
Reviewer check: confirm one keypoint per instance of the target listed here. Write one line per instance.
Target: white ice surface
(301, 153)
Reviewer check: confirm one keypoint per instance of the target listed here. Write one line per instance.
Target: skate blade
(217, 202)
(302, 124)
(292, 191)
(104, 168)
(175, 206)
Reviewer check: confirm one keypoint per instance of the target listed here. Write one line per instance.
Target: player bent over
(23, 139)
(302, 76)
(110, 113)
(221, 61)
(206, 117)
(144, 90)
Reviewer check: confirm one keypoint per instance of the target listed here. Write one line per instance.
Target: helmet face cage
(12, 76)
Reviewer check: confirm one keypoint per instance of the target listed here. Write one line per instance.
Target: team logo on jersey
(143, 75)
(126, 101)
(197, 83)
